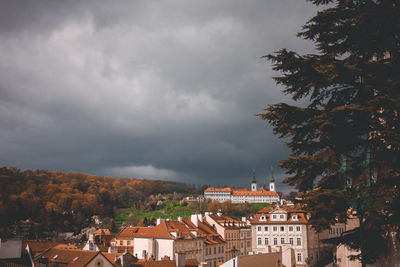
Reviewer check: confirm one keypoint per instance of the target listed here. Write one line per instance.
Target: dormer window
(274, 216)
(295, 217)
(262, 218)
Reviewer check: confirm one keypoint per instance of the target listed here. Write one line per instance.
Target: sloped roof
(287, 208)
(37, 247)
(68, 257)
(128, 232)
(102, 232)
(258, 260)
(261, 192)
(214, 189)
(165, 263)
(159, 231)
(205, 231)
(302, 219)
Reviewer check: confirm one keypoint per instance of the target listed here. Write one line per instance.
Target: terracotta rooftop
(38, 247)
(261, 192)
(102, 232)
(213, 189)
(205, 230)
(258, 260)
(128, 232)
(67, 257)
(165, 263)
(289, 209)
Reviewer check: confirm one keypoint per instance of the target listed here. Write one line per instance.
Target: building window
(298, 256)
(282, 240)
(291, 241)
(206, 251)
(281, 216)
(121, 243)
(259, 228)
(215, 250)
(282, 228)
(298, 229)
(222, 249)
(275, 241)
(266, 241)
(274, 216)
(129, 243)
(266, 228)
(259, 241)
(290, 228)
(275, 228)
(299, 241)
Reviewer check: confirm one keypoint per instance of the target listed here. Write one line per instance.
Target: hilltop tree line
(66, 201)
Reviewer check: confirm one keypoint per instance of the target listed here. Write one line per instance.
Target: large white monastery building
(244, 195)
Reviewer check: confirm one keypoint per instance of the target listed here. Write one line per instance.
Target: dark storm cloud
(149, 89)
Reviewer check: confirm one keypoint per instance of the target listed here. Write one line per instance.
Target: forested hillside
(61, 201)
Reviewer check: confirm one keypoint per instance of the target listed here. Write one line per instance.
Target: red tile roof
(67, 257)
(213, 189)
(289, 209)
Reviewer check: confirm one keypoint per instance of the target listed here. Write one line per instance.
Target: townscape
(280, 234)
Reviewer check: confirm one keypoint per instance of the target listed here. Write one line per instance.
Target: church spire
(272, 175)
(254, 176)
(272, 181)
(254, 182)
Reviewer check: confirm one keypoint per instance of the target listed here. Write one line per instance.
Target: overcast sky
(147, 89)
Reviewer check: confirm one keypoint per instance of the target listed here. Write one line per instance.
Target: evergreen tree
(350, 93)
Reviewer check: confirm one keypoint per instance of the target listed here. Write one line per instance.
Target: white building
(276, 226)
(244, 195)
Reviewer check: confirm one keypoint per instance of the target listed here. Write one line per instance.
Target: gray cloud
(149, 89)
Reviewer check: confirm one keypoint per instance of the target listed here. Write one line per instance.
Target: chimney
(126, 259)
(179, 219)
(219, 213)
(159, 220)
(243, 219)
(195, 220)
(180, 259)
(200, 217)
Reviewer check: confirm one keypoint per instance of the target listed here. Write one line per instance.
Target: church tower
(272, 182)
(254, 182)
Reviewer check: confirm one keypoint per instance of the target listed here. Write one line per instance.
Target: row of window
(209, 250)
(121, 243)
(281, 228)
(283, 241)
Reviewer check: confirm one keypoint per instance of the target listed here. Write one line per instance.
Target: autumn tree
(349, 104)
